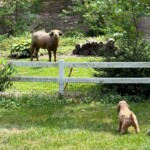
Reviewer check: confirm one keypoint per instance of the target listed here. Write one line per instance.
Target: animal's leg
(135, 123)
(124, 128)
(36, 53)
(31, 52)
(49, 53)
(136, 126)
(55, 55)
(120, 124)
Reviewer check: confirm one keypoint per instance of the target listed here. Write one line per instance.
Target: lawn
(67, 126)
(48, 72)
(64, 52)
(34, 122)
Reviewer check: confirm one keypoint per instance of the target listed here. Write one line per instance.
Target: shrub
(14, 101)
(129, 51)
(21, 48)
(6, 73)
(104, 17)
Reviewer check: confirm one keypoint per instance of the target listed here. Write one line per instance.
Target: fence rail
(82, 80)
(85, 64)
(108, 64)
(61, 80)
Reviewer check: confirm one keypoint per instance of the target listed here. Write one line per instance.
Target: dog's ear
(118, 108)
(127, 104)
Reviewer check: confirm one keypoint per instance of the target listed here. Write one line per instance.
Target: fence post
(61, 77)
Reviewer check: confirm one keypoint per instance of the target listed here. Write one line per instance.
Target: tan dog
(126, 118)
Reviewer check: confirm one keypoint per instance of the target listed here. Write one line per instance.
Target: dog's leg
(120, 124)
(136, 127)
(135, 123)
(124, 128)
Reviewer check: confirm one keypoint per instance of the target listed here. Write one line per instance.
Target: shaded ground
(71, 126)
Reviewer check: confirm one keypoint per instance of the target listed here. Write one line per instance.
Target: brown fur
(126, 118)
(49, 41)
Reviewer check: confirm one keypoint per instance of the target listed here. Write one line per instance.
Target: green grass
(67, 44)
(71, 127)
(47, 123)
(48, 72)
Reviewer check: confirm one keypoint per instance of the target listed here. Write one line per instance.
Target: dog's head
(122, 104)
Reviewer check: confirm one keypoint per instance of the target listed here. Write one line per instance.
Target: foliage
(129, 51)
(21, 48)
(5, 43)
(109, 16)
(6, 73)
(30, 100)
(77, 34)
(131, 47)
(16, 15)
(90, 13)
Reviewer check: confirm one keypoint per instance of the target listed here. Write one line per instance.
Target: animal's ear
(118, 108)
(60, 33)
(51, 33)
(127, 104)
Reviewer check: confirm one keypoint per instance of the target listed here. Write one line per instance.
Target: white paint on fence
(108, 64)
(108, 80)
(34, 64)
(85, 64)
(81, 80)
(34, 79)
(62, 79)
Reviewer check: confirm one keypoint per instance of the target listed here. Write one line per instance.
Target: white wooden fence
(61, 80)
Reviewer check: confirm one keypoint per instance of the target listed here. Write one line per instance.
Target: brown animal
(49, 41)
(126, 118)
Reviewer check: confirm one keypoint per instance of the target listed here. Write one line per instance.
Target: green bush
(129, 51)
(6, 73)
(17, 16)
(30, 100)
(106, 17)
(21, 48)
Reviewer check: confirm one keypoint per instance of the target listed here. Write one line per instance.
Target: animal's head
(55, 33)
(122, 104)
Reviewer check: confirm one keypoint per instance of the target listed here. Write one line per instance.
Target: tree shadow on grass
(96, 118)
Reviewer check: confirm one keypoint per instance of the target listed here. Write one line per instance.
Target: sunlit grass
(64, 52)
(64, 124)
(48, 72)
(73, 127)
